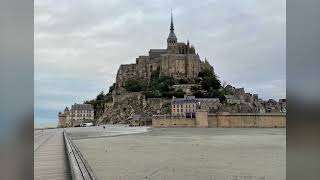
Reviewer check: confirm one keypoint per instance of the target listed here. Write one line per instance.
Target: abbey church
(178, 60)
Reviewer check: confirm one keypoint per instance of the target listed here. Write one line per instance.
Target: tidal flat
(188, 154)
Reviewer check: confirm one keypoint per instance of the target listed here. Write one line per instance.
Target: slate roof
(81, 107)
(192, 99)
(172, 35)
(208, 99)
(182, 101)
(158, 51)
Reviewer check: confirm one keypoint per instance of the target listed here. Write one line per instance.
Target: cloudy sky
(79, 44)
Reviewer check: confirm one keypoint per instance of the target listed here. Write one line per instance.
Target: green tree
(100, 96)
(198, 94)
(134, 85)
(217, 94)
(179, 93)
(168, 94)
(152, 94)
(183, 81)
(207, 72)
(210, 82)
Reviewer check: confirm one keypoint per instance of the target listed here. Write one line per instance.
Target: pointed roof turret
(66, 109)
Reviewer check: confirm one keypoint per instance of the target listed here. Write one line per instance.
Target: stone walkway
(51, 160)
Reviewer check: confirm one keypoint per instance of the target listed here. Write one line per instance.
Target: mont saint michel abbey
(178, 60)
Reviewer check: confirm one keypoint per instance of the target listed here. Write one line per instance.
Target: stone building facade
(178, 60)
(183, 106)
(188, 105)
(78, 114)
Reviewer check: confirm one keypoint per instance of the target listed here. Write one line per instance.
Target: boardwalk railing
(79, 167)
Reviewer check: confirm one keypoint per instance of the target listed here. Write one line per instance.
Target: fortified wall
(168, 121)
(204, 119)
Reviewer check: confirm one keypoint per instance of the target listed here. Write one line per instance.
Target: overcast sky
(79, 44)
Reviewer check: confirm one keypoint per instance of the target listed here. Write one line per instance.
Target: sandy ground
(188, 154)
(99, 131)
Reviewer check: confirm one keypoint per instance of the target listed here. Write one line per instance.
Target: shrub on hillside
(134, 85)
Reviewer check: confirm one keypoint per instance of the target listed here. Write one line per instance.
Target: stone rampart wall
(224, 120)
(247, 120)
(164, 121)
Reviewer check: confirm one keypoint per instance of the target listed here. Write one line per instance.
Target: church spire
(171, 25)
(172, 39)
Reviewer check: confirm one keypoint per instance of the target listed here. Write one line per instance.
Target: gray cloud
(83, 42)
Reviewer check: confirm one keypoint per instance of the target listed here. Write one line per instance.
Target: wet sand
(189, 154)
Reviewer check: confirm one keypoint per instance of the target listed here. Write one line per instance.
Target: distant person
(104, 127)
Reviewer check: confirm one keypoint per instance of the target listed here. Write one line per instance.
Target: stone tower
(172, 39)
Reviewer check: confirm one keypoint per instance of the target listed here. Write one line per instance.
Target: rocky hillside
(150, 97)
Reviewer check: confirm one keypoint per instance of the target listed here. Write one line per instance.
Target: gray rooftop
(158, 50)
(208, 99)
(182, 101)
(192, 99)
(81, 107)
(172, 35)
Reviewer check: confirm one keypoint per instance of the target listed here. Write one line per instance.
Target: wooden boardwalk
(51, 160)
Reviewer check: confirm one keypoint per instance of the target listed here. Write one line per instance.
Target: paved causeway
(50, 158)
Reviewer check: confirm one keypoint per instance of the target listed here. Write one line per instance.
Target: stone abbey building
(178, 60)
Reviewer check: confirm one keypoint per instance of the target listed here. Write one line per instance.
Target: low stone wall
(166, 121)
(247, 120)
(223, 120)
